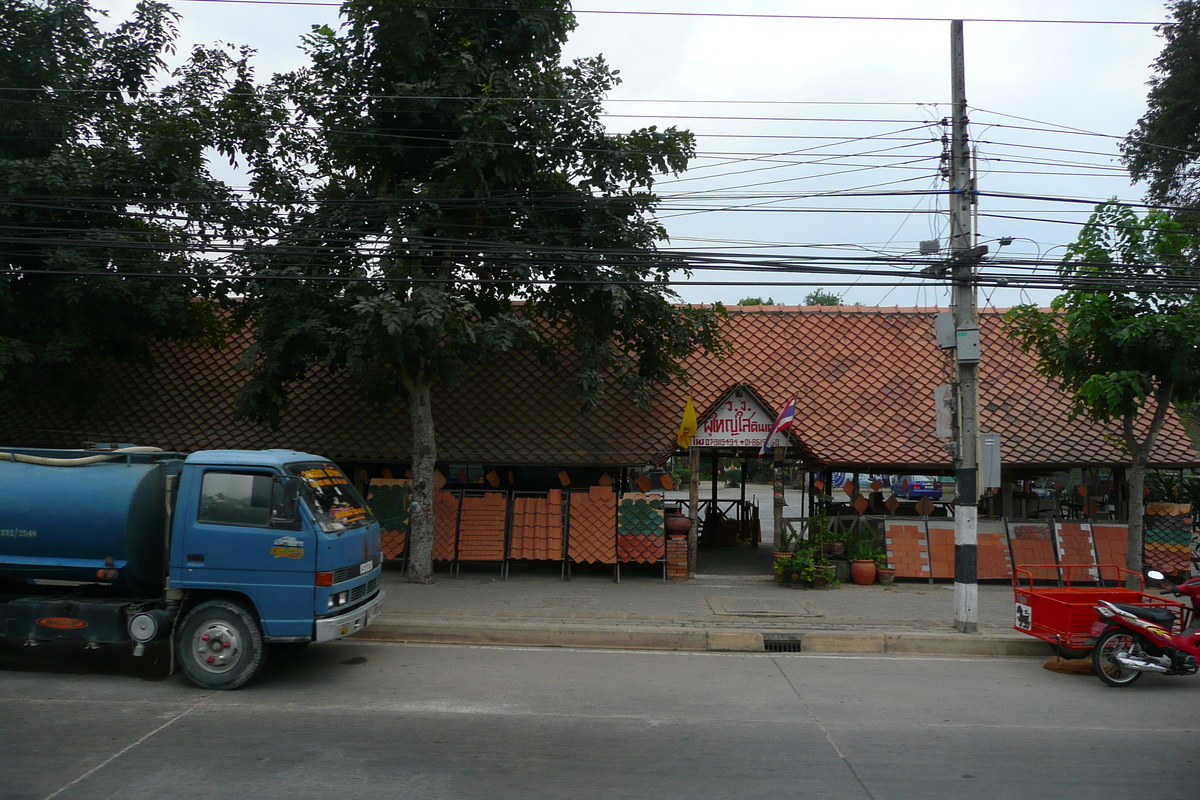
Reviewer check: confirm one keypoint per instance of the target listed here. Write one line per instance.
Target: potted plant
(824, 576)
(862, 562)
(884, 570)
(797, 569)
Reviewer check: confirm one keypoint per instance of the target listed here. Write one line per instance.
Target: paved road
(364, 720)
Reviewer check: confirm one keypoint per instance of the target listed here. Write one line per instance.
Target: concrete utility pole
(964, 259)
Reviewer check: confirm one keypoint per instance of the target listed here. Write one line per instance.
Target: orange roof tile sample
(592, 532)
(445, 525)
(537, 527)
(481, 527)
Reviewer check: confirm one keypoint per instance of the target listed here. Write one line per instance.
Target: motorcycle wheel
(1104, 661)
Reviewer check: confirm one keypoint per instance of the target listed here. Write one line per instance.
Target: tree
(756, 301)
(820, 297)
(455, 178)
(101, 175)
(1164, 147)
(1124, 339)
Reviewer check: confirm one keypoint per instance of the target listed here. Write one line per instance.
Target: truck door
(231, 543)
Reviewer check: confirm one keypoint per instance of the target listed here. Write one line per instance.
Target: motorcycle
(1132, 640)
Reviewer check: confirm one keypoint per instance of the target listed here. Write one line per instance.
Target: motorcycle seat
(1159, 616)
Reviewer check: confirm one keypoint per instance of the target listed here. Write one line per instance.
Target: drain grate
(782, 644)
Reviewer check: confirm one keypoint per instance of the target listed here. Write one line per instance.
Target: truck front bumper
(330, 628)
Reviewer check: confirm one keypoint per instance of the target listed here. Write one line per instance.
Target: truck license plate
(366, 567)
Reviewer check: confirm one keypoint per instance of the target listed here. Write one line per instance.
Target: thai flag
(786, 417)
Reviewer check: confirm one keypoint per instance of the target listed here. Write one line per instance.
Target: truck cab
(267, 546)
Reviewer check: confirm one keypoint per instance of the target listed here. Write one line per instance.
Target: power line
(720, 15)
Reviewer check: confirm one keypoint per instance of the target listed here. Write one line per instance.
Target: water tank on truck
(104, 520)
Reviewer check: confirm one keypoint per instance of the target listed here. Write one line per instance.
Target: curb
(645, 637)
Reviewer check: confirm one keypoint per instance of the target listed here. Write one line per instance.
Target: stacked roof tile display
(592, 535)
(481, 527)
(865, 379)
(389, 501)
(640, 534)
(537, 527)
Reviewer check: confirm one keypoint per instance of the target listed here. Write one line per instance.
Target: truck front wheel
(219, 645)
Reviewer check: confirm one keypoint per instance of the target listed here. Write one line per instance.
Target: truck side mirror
(285, 500)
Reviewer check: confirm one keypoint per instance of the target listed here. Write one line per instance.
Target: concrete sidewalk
(713, 612)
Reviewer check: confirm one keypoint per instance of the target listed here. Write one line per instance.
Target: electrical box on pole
(967, 342)
(943, 328)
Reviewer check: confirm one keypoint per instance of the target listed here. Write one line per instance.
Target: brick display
(1033, 543)
(907, 548)
(941, 549)
(1074, 542)
(677, 557)
(994, 561)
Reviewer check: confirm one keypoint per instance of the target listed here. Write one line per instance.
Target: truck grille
(362, 590)
(343, 574)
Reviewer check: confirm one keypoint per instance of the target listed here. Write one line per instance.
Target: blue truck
(219, 553)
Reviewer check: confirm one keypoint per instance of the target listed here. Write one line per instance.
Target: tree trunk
(1135, 550)
(1135, 553)
(424, 457)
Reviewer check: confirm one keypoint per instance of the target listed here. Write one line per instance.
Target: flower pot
(833, 548)
(776, 556)
(862, 571)
(887, 575)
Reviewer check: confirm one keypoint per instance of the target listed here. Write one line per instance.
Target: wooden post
(780, 502)
(694, 504)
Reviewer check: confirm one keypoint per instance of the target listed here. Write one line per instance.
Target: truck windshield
(334, 502)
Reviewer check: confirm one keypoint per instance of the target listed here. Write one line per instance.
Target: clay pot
(862, 571)
(887, 575)
(677, 523)
(833, 548)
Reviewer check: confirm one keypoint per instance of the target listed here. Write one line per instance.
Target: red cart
(1065, 614)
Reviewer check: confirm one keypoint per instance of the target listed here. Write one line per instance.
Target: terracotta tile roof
(865, 379)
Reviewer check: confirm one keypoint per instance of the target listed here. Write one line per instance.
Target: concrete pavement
(742, 613)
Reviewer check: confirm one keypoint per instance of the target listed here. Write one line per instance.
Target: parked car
(914, 487)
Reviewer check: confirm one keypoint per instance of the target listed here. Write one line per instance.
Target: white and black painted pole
(964, 261)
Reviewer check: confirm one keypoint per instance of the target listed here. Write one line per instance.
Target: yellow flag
(687, 426)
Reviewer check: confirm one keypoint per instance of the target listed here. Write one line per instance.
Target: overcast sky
(788, 108)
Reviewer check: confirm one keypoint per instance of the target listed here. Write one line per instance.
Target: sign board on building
(738, 422)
